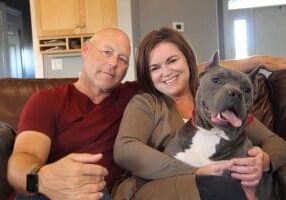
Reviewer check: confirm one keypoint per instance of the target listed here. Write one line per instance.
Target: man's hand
(215, 169)
(75, 176)
(249, 170)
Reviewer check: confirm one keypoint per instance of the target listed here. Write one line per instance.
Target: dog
(223, 105)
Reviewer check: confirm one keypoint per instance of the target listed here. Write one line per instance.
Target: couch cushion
(7, 135)
(262, 105)
(278, 85)
(15, 92)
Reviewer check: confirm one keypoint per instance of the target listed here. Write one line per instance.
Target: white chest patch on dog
(202, 148)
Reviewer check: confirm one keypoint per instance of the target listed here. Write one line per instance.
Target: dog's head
(224, 97)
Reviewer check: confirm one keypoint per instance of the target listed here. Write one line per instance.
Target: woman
(167, 73)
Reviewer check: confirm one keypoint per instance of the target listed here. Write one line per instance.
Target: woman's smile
(171, 81)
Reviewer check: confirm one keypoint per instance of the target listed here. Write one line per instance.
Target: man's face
(106, 60)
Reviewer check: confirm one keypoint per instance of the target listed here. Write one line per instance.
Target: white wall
(38, 62)
(125, 23)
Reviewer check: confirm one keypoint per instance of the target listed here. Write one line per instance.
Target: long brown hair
(148, 44)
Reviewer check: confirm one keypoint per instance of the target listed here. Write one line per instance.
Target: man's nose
(113, 60)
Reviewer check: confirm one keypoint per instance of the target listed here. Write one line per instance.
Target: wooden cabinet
(70, 17)
(61, 44)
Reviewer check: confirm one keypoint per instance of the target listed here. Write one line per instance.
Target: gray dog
(223, 103)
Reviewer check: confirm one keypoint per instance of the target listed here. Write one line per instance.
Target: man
(59, 126)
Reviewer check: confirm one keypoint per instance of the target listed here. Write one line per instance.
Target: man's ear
(85, 48)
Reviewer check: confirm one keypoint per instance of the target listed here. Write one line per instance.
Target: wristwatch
(32, 179)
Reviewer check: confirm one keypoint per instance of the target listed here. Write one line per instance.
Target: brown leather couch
(269, 107)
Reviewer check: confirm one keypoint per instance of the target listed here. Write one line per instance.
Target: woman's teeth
(170, 81)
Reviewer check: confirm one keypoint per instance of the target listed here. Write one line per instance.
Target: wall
(270, 30)
(125, 23)
(199, 17)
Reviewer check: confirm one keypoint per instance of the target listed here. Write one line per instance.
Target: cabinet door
(56, 17)
(99, 14)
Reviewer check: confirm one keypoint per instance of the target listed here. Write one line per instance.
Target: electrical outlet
(179, 26)
(57, 64)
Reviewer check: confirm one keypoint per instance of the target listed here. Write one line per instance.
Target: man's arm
(75, 176)
(30, 148)
(272, 63)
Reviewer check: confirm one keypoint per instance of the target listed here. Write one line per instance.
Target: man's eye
(106, 52)
(123, 60)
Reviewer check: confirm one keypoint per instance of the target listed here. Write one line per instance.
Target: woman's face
(169, 70)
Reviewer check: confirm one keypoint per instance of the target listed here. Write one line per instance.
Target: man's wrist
(32, 179)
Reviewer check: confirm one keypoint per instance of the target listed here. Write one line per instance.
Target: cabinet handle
(82, 26)
(78, 26)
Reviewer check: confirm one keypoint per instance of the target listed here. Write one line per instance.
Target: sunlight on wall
(240, 38)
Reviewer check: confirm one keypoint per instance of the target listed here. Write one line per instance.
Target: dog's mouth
(227, 116)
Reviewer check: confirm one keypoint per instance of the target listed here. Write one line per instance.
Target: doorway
(11, 29)
(16, 48)
(253, 31)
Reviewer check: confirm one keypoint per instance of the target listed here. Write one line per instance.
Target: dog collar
(250, 118)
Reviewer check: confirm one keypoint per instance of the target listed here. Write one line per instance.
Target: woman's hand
(249, 170)
(216, 168)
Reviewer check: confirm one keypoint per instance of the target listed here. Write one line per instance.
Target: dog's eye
(217, 80)
(247, 90)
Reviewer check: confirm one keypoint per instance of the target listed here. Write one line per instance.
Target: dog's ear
(212, 62)
(260, 69)
(255, 71)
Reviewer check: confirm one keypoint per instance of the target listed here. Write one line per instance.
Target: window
(240, 38)
(240, 4)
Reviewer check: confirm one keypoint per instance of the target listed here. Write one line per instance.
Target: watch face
(32, 183)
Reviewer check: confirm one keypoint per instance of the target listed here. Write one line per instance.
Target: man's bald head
(110, 32)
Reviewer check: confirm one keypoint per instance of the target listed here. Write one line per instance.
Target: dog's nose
(234, 94)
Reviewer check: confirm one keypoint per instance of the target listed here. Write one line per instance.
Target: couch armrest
(7, 136)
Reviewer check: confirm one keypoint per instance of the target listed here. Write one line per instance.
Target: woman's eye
(153, 68)
(171, 61)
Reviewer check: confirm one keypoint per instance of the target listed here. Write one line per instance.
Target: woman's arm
(270, 143)
(135, 144)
